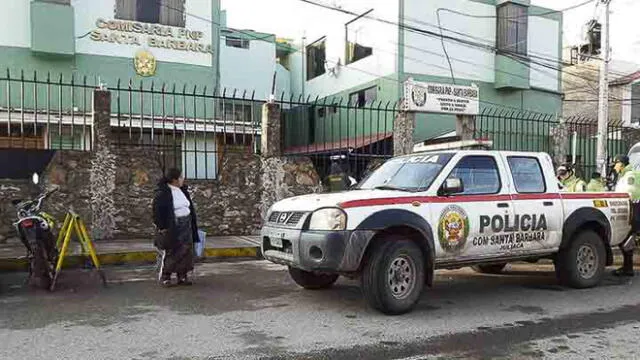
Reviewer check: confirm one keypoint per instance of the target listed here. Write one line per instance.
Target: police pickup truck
(445, 210)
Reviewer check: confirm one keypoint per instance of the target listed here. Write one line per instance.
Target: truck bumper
(320, 251)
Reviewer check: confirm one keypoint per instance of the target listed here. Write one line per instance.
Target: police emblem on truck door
(453, 229)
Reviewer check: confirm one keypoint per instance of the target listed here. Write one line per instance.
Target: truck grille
(286, 218)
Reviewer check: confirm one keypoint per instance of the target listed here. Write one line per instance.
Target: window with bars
(363, 97)
(193, 152)
(164, 12)
(237, 42)
(513, 20)
(237, 112)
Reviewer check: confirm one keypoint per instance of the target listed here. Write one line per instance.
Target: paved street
(251, 310)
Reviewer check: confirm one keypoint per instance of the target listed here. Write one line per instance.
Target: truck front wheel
(312, 281)
(393, 276)
(582, 263)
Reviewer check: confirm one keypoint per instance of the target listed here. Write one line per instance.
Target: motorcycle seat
(16, 201)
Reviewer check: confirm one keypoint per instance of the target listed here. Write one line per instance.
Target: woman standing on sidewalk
(175, 220)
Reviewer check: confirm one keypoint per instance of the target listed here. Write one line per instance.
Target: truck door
(470, 222)
(538, 213)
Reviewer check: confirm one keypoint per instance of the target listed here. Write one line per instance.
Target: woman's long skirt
(179, 260)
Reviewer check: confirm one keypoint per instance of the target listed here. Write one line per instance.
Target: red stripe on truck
(595, 196)
(478, 198)
(423, 199)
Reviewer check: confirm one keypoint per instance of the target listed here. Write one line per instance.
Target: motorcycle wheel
(40, 268)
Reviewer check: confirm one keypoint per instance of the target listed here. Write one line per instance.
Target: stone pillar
(271, 131)
(403, 127)
(560, 141)
(465, 127)
(102, 178)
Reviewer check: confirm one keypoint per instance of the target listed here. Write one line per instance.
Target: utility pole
(603, 98)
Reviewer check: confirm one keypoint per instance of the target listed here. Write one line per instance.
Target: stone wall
(233, 204)
(136, 178)
(286, 177)
(404, 126)
(10, 190)
(112, 187)
(70, 171)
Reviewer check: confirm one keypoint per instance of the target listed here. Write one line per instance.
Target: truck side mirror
(452, 186)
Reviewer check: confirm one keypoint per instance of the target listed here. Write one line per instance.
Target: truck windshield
(410, 173)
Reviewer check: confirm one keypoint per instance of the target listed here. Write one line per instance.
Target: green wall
(52, 28)
(52, 58)
(531, 100)
(96, 69)
(347, 122)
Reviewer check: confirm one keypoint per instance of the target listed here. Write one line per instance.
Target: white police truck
(445, 210)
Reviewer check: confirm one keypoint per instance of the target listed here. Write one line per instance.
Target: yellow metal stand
(74, 225)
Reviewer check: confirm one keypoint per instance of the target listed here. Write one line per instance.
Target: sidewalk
(119, 252)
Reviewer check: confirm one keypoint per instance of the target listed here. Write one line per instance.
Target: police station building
(166, 41)
(54, 52)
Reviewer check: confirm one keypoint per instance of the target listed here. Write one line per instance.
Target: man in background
(570, 182)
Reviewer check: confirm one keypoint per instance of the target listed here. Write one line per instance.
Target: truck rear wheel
(393, 276)
(582, 264)
(489, 269)
(312, 281)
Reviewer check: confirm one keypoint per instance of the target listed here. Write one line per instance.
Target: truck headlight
(328, 219)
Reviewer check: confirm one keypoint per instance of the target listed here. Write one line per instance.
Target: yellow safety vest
(574, 184)
(596, 185)
(628, 182)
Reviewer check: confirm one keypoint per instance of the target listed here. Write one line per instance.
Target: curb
(150, 257)
(136, 257)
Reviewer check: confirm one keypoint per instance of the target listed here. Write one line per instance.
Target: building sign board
(441, 98)
(150, 35)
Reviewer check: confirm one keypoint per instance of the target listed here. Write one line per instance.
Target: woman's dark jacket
(163, 212)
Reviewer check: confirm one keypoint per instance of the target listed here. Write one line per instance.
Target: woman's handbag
(163, 240)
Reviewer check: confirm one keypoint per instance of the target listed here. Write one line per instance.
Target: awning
(340, 145)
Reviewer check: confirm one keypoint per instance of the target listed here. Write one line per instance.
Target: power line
(423, 32)
(277, 44)
(413, 29)
(631, 100)
(530, 53)
(395, 53)
(520, 16)
(356, 69)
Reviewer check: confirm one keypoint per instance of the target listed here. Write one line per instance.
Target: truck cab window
(527, 175)
(479, 175)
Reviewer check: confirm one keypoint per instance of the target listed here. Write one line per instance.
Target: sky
(270, 16)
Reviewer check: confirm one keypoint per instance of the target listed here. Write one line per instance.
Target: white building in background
(510, 49)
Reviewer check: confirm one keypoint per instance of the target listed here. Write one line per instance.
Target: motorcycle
(35, 229)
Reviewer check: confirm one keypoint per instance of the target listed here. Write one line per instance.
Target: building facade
(104, 38)
(510, 49)
(172, 66)
(580, 86)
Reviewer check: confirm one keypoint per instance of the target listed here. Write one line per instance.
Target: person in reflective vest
(337, 179)
(570, 182)
(596, 184)
(628, 181)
